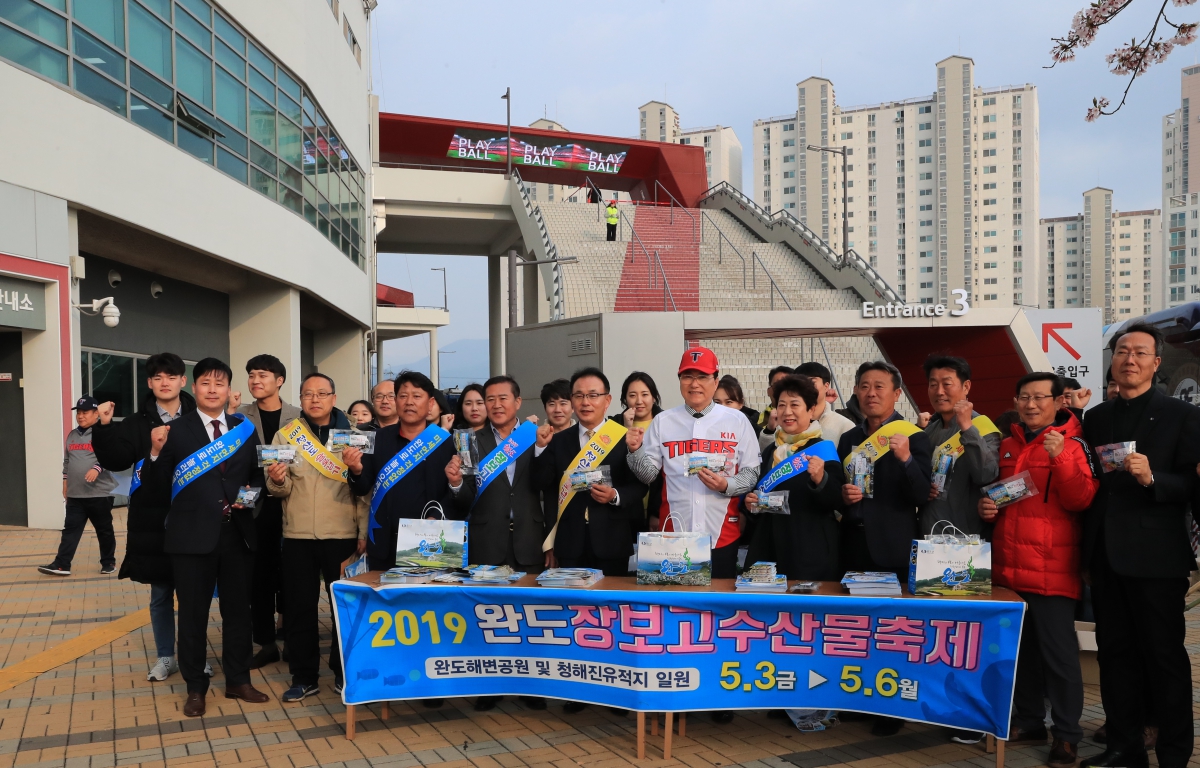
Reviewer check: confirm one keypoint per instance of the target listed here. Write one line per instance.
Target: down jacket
(1037, 542)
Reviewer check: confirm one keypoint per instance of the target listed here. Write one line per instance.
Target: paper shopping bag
(432, 543)
(950, 567)
(674, 558)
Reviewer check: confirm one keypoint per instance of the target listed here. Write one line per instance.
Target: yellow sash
(953, 446)
(314, 453)
(603, 440)
(877, 444)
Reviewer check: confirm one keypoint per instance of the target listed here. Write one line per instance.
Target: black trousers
(228, 569)
(612, 232)
(305, 563)
(1140, 633)
(724, 561)
(265, 597)
(79, 512)
(609, 566)
(1048, 662)
(856, 554)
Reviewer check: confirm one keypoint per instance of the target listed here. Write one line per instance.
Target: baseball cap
(700, 359)
(86, 403)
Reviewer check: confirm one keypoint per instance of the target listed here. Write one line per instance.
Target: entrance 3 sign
(899, 309)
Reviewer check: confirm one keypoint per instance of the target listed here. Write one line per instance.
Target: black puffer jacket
(121, 445)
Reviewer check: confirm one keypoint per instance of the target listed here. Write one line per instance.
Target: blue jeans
(162, 617)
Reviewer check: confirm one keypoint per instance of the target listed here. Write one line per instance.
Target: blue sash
(135, 481)
(520, 440)
(210, 456)
(798, 463)
(401, 464)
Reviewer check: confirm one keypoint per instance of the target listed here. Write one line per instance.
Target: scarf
(786, 444)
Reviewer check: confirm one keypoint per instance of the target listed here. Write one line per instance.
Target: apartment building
(722, 153)
(659, 122)
(937, 187)
(1180, 201)
(1103, 258)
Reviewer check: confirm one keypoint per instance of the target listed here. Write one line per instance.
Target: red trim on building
(387, 296)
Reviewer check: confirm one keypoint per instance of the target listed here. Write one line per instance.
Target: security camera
(156, 289)
(105, 307)
(114, 278)
(111, 315)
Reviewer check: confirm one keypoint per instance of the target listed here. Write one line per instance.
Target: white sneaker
(208, 670)
(163, 668)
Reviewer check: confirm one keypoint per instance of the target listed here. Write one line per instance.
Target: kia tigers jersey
(675, 440)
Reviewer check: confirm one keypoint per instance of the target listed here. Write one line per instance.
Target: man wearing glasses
(383, 399)
(1137, 554)
(324, 523)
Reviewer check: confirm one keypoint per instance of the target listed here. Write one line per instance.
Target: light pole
(439, 357)
(845, 206)
(508, 124)
(445, 303)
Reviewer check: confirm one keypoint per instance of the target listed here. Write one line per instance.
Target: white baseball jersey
(672, 438)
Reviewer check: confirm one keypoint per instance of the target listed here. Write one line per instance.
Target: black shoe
(573, 707)
(432, 703)
(1017, 736)
(486, 703)
(534, 702)
(722, 717)
(268, 654)
(107, 569)
(1116, 758)
(886, 726)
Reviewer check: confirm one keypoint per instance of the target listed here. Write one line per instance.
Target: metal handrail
(558, 309)
(674, 202)
(632, 231)
(720, 248)
(774, 285)
(832, 376)
(666, 283)
(599, 197)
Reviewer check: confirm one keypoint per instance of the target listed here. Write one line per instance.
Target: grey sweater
(976, 467)
(78, 460)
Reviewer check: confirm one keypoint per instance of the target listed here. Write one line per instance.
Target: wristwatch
(1151, 483)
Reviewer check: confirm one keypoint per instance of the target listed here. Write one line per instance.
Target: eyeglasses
(383, 397)
(688, 378)
(1037, 399)
(1136, 355)
(315, 395)
(591, 397)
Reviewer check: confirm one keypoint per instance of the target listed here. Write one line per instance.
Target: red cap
(699, 359)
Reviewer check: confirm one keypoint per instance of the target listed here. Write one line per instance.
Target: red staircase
(679, 252)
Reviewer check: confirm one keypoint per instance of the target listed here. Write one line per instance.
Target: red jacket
(1037, 541)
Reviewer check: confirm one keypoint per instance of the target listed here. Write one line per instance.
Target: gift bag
(674, 558)
(432, 543)
(949, 562)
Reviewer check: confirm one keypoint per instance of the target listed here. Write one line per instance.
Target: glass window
(289, 107)
(288, 85)
(291, 199)
(62, 6)
(99, 55)
(231, 100)
(262, 85)
(195, 144)
(151, 119)
(112, 379)
(262, 183)
(195, 72)
(262, 122)
(289, 143)
(161, 7)
(149, 41)
(263, 159)
(200, 8)
(195, 32)
(310, 213)
(262, 61)
(230, 35)
(151, 88)
(232, 139)
(33, 17)
(290, 176)
(231, 164)
(230, 60)
(310, 193)
(29, 53)
(104, 17)
(101, 89)
(309, 109)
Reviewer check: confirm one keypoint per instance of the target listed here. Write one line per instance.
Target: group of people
(1122, 532)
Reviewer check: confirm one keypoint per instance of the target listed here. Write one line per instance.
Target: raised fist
(544, 434)
(158, 438)
(106, 411)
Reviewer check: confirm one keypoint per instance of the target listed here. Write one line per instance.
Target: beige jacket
(315, 507)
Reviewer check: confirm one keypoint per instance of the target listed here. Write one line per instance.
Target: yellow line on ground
(70, 650)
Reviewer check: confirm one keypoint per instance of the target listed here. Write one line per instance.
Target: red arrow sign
(1051, 330)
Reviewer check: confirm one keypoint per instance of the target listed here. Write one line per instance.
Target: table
(932, 641)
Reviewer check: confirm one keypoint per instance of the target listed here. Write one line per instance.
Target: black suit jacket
(194, 521)
(488, 525)
(408, 498)
(890, 516)
(1144, 530)
(612, 526)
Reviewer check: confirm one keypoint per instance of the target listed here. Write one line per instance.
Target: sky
(590, 66)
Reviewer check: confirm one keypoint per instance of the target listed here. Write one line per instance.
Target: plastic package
(1011, 490)
(276, 454)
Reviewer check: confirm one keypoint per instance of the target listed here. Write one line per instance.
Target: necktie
(216, 428)
(697, 415)
(590, 433)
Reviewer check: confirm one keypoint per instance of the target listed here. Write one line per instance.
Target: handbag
(432, 543)
(682, 557)
(949, 562)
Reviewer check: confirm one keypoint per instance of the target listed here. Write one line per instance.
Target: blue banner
(211, 455)
(401, 464)
(945, 661)
(824, 450)
(519, 440)
(135, 480)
